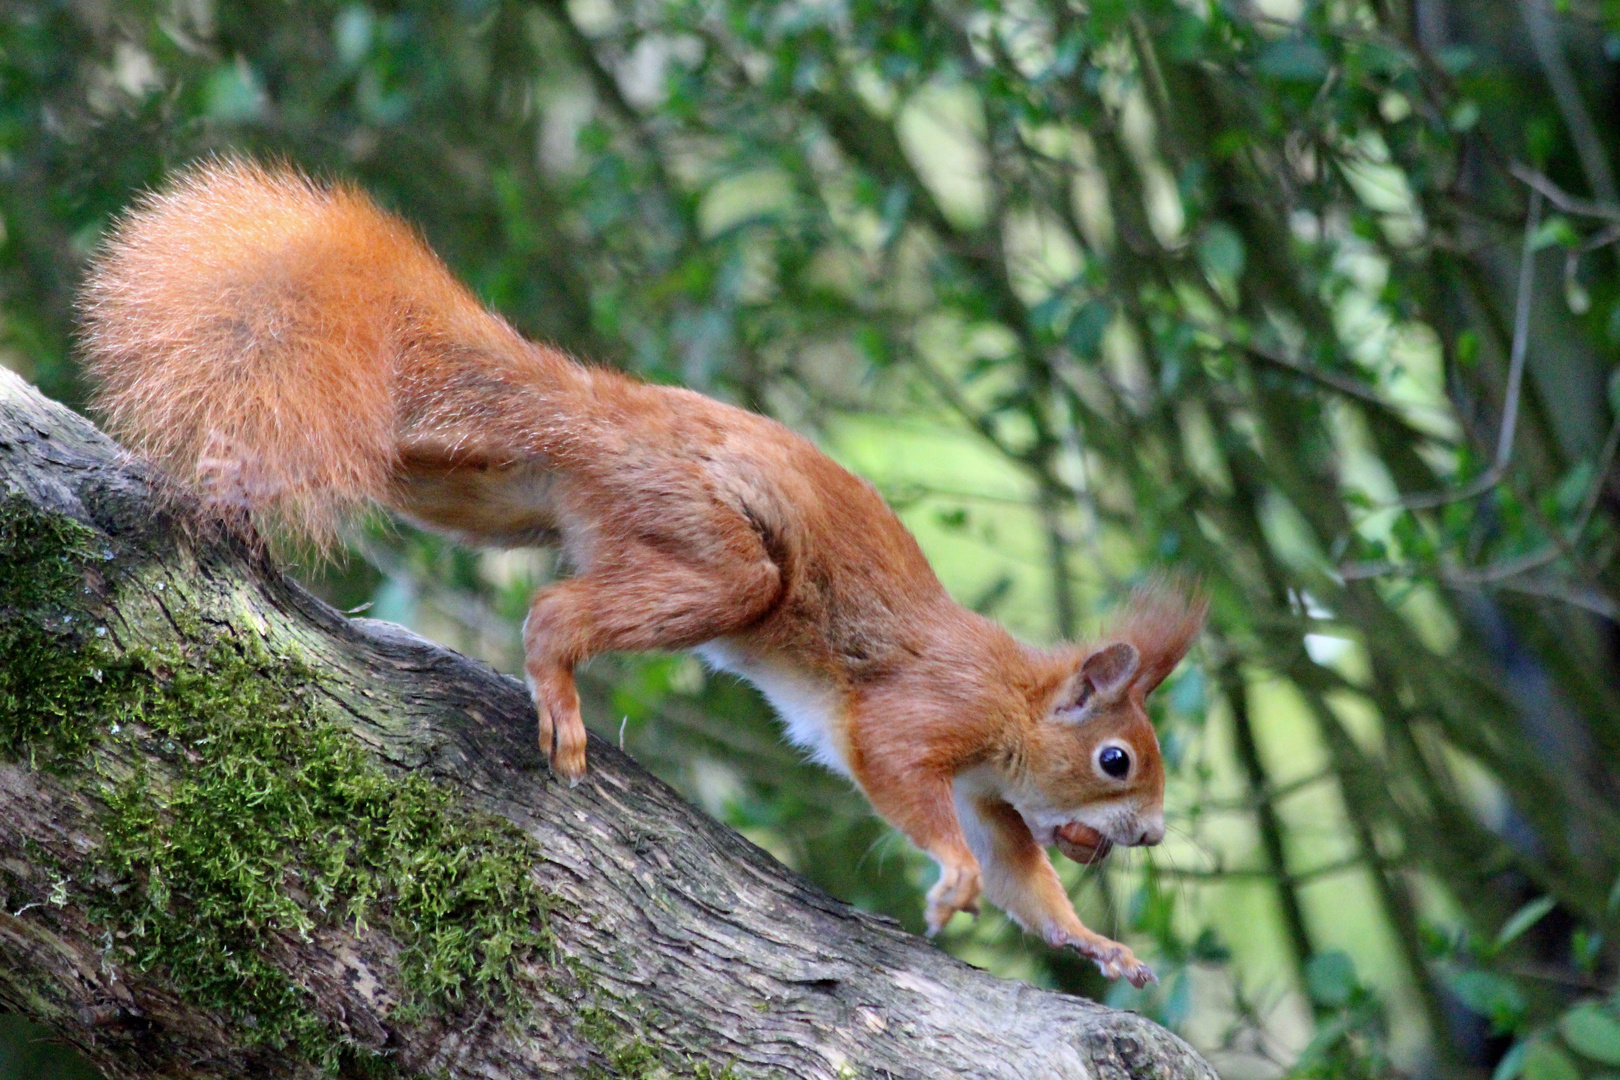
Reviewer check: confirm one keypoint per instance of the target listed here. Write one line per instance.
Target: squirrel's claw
(1132, 971)
(568, 765)
(563, 746)
(1120, 963)
(1116, 961)
(570, 758)
(562, 731)
(956, 890)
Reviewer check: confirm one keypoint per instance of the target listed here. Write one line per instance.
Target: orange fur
(290, 352)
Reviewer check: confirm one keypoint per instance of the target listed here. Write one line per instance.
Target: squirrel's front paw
(1123, 964)
(1115, 960)
(956, 890)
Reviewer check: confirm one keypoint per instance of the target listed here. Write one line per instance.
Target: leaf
(873, 345)
(1220, 250)
(1047, 314)
(1577, 297)
(354, 32)
(896, 204)
(1331, 978)
(1512, 1063)
(1178, 1003)
(1457, 58)
(1293, 60)
(1572, 489)
(234, 93)
(1086, 329)
(1329, 1036)
(1586, 949)
(1522, 920)
(1544, 1061)
(1490, 995)
(1555, 231)
(1187, 695)
(1468, 346)
(1464, 116)
(1592, 1031)
(1207, 947)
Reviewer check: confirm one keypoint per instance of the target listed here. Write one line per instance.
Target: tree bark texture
(637, 937)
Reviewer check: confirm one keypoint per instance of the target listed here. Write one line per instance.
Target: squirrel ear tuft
(1106, 671)
(1162, 619)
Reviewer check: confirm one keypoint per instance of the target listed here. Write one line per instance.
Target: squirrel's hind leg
(633, 598)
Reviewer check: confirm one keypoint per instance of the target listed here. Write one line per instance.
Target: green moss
(263, 821)
(628, 1056)
(278, 823)
(43, 563)
(42, 556)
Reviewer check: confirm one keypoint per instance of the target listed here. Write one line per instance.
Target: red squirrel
(291, 352)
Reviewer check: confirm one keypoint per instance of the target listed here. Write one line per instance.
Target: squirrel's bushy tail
(246, 328)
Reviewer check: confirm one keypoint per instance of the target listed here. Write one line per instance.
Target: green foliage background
(1087, 289)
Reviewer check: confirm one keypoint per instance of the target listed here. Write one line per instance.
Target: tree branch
(194, 751)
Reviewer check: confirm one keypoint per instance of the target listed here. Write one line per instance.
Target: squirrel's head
(1092, 772)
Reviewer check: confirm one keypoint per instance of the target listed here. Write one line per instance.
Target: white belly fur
(807, 704)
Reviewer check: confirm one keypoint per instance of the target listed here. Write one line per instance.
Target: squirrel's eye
(1114, 761)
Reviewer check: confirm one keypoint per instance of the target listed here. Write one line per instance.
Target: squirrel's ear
(1162, 619)
(1106, 672)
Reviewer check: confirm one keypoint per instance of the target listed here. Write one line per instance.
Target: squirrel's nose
(1152, 831)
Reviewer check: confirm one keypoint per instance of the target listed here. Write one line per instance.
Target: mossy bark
(249, 837)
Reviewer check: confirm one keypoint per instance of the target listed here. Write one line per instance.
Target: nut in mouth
(1082, 843)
